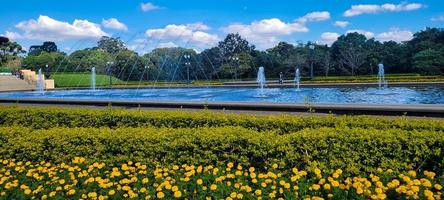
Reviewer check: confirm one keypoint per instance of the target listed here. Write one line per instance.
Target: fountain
(381, 76)
(297, 78)
(261, 80)
(93, 78)
(40, 82)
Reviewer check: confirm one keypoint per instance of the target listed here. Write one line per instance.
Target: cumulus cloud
(328, 38)
(189, 33)
(46, 28)
(395, 35)
(315, 16)
(145, 7)
(12, 35)
(374, 8)
(113, 23)
(341, 24)
(367, 34)
(266, 33)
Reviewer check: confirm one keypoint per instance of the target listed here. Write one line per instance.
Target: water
(381, 76)
(297, 79)
(40, 82)
(93, 78)
(360, 95)
(261, 80)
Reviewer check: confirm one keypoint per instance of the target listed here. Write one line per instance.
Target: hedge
(354, 149)
(68, 117)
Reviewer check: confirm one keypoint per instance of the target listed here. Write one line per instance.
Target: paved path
(11, 83)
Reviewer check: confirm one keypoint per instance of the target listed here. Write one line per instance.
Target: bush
(63, 117)
(354, 149)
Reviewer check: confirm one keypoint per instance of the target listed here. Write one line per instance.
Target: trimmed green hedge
(110, 117)
(354, 149)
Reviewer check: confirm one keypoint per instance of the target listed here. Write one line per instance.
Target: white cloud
(46, 28)
(367, 34)
(145, 7)
(265, 33)
(395, 35)
(167, 45)
(438, 18)
(12, 35)
(341, 24)
(192, 34)
(374, 8)
(315, 16)
(328, 38)
(113, 23)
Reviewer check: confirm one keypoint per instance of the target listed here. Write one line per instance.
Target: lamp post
(187, 65)
(235, 59)
(146, 69)
(312, 47)
(47, 72)
(109, 66)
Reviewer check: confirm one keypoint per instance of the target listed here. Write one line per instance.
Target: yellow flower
(378, 191)
(92, 195)
(177, 194)
(27, 191)
(438, 187)
(51, 194)
(275, 166)
(327, 186)
(199, 181)
(160, 195)
(145, 180)
(230, 165)
(174, 188)
(111, 192)
(213, 187)
(71, 192)
(315, 187)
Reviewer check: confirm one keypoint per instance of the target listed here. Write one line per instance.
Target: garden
(110, 153)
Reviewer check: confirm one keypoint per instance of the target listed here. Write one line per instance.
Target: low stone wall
(31, 78)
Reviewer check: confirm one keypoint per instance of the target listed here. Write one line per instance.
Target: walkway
(11, 83)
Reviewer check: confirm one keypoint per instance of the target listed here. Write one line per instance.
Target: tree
(430, 38)
(3, 40)
(47, 46)
(53, 60)
(429, 62)
(350, 51)
(9, 50)
(84, 60)
(110, 44)
(234, 44)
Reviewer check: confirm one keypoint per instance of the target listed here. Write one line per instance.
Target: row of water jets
(382, 83)
(260, 79)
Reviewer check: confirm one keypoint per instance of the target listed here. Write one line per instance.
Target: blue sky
(199, 24)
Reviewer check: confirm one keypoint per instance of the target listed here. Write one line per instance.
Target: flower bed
(99, 180)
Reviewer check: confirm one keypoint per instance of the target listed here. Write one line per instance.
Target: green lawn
(82, 80)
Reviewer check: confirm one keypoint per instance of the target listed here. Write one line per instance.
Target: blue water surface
(360, 95)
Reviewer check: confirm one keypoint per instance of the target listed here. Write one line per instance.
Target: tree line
(235, 58)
